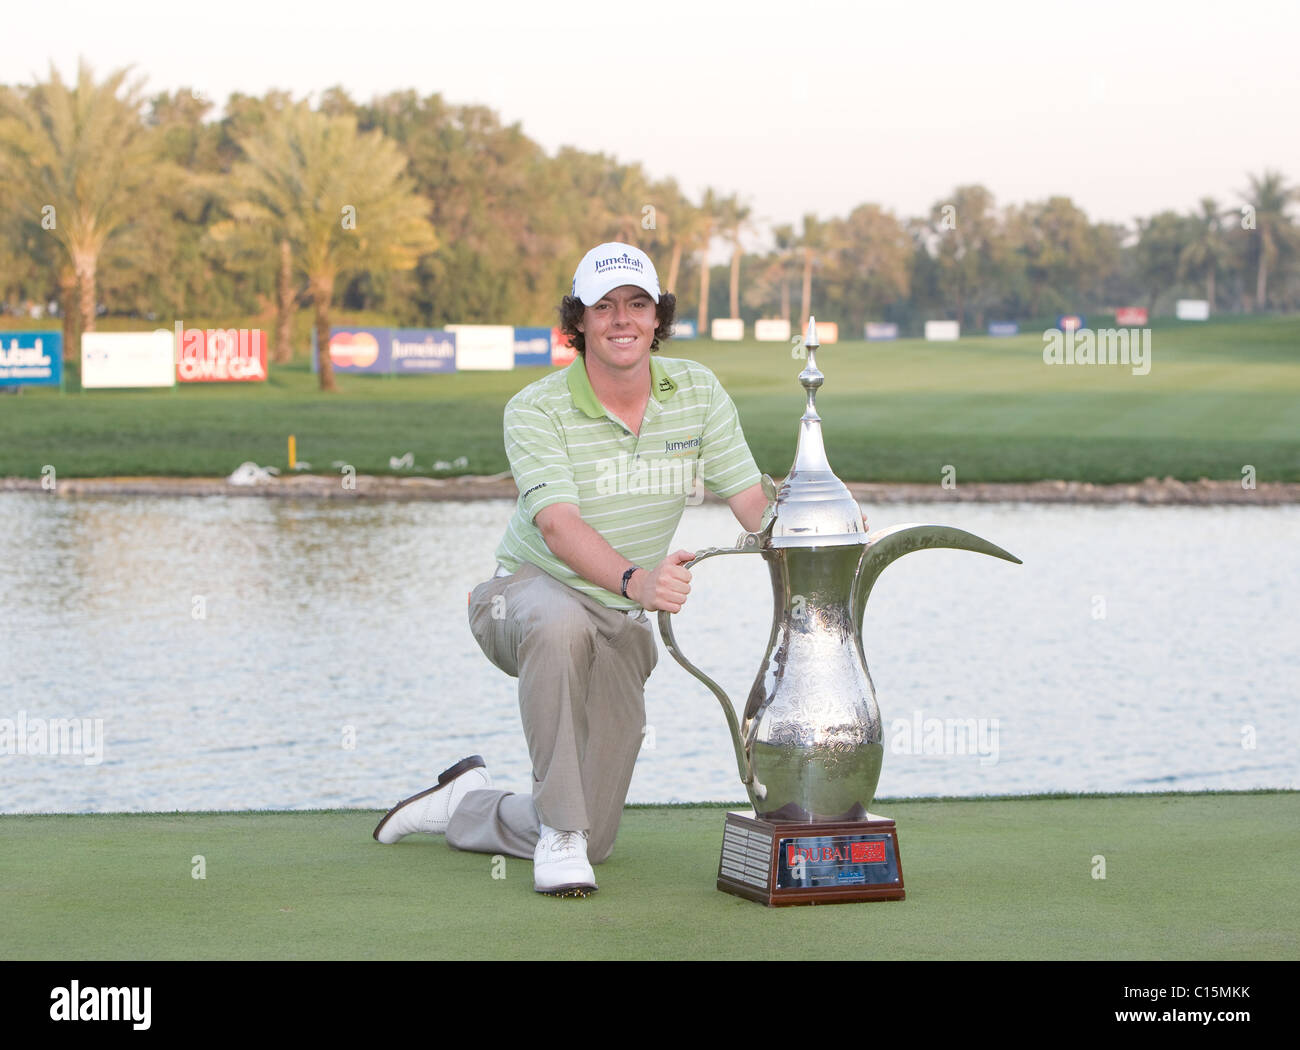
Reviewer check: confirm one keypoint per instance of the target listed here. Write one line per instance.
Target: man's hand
(664, 587)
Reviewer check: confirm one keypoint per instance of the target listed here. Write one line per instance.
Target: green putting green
(1187, 876)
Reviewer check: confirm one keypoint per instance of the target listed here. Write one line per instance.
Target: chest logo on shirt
(678, 447)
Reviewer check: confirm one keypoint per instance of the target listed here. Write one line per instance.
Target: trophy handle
(888, 545)
(749, 544)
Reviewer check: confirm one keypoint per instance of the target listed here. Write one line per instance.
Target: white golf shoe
(560, 865)
(430, 811)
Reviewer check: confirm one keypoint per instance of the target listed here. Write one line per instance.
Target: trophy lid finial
(814, 507)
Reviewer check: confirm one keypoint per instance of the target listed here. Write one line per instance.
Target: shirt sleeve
(538, 458)
(726, 466)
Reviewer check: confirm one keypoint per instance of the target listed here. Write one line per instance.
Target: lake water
(263, 653)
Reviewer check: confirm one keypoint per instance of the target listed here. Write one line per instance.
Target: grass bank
(1218, 397)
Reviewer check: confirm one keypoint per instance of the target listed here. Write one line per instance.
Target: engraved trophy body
(809, 744)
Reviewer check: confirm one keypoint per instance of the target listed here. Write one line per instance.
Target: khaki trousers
(582, 669)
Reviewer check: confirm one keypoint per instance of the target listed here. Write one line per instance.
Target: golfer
(605, 453)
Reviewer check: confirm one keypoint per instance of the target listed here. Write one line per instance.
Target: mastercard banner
(361, 349)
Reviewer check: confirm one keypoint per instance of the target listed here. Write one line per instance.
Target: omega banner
(220, 355)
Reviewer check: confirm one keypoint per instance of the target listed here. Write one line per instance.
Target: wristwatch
(627, 576)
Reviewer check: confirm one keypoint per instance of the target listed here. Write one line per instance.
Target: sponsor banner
(942, 331)
(484, 347)
(727, 329)
(31, 358)
(880, 330)
(1069, 322)
(354, 350)
(684, 330)
(532, 347)
(1130, 315)
(562, 352)
(775, 331)
(421, 350)
(220, 355)
(128, 359)
(1003, 328)
(1192, 309)
(827, 332)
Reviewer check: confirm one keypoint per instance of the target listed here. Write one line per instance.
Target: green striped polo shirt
(565, 447)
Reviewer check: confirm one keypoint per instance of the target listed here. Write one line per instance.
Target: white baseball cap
(612, 265)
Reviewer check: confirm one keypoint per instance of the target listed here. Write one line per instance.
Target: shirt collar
(662, 386)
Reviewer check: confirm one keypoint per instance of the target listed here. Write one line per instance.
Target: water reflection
(252, 653)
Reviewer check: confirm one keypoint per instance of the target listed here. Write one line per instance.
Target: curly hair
(572, 311)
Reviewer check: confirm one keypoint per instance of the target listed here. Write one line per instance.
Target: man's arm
(589, 554)
(748, 506)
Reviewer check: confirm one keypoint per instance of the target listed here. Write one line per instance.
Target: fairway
(1218, 397)
(1194, 876)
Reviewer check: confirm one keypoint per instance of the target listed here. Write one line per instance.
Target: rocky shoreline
(1167, 491)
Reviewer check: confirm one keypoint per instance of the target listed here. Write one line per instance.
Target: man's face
(620, 328)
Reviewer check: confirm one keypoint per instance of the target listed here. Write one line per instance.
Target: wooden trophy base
(831, 863)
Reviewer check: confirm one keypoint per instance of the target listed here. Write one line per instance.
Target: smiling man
(605, 454)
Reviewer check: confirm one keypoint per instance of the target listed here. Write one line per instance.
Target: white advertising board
(484, 347)
(775, 331)
(128, 359)
(730, 329)
(944, 331)
(1192, 309)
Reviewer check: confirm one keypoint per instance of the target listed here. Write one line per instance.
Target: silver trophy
(810, 742)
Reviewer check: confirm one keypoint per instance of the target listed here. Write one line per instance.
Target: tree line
(432, 213)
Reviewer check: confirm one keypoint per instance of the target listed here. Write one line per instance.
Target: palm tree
(812, 240)
(735, 222)
(1274, 230)
(78, 163)
(682, 226)
(709, 212)
(340, 199)
(629, 192)
(1207, 247)
(786, 241)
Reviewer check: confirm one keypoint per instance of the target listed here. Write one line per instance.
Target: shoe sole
(576, 890)
(444, 778)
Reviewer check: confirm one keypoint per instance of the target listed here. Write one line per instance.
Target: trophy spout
(886, 546)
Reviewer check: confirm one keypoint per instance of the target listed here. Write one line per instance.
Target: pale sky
(1128, 108)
